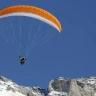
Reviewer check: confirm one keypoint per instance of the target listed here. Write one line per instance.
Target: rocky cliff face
(58, 87)
(72, 87)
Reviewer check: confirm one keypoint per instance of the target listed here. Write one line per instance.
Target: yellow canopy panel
(31, 11)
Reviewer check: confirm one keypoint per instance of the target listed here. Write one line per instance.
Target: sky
(70, 54)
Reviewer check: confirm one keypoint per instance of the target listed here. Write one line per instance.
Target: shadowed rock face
(3, 79)
(61, 85)
(58, 87)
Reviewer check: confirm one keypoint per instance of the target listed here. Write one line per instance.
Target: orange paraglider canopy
(31, 11)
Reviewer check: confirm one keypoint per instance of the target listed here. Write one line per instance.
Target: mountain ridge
(57, 87)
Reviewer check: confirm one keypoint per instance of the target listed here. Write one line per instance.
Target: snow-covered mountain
(9, 88)
(58, 87)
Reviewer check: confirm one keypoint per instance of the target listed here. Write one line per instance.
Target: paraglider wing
(31, 11)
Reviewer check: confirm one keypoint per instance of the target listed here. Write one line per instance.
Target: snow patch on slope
(10, 93)
(56, 93)
(89, 80)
